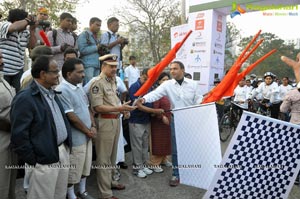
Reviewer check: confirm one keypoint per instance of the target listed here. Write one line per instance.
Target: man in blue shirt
(88, 45)
(113, 41)
(139, 129)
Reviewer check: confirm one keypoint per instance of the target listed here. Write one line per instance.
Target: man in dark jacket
(41, 133)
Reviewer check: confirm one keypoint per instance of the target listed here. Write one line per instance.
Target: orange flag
(232, 78)
(240, 76)
(154, 72)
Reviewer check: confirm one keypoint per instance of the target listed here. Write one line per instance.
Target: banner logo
(236, 10)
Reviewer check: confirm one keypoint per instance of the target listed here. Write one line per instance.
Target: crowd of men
(71, 98)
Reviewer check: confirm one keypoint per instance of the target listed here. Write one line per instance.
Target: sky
(286, 27)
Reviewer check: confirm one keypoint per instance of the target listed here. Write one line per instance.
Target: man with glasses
(41, 134)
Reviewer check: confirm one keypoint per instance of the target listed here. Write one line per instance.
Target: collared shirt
(291, 103)
(74, 99)
(186, 94)
(12, 46)
(137, 116)
(62, 37)
(121, 88)
(61, 129)
(87, 46)
(241, 94)
(269, 92)
(103, 91)
(284, 89)
(132, 73)
(106, 40)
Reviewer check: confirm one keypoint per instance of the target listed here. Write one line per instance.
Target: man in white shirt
(284, 87)
(270, 92)
(241, 95)
(182, 92)
(132, 73)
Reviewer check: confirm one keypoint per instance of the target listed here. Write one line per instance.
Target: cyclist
(241, 94)
(270, 92)
(258, 97)
(284, 87)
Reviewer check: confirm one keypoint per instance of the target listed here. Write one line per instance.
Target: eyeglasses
(53, 71)
(44, 14)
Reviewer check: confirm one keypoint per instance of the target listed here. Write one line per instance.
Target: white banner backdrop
(203, 52)
(177, 34)
(198, 144)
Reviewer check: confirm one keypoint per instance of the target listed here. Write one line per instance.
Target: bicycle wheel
(226, 127)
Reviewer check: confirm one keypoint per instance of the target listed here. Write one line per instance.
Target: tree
(54, 6)
(232, 37)
(149, 24)
(272, 63)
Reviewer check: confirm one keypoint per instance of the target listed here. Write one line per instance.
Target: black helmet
(269, 74)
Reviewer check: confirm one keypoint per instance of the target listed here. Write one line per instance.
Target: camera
(126, 41)
(45, 24)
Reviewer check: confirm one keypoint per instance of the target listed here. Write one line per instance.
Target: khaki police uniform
(103, 91)
(7, 156)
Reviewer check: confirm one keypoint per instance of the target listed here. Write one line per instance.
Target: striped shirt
(12, 46)
(62, 37)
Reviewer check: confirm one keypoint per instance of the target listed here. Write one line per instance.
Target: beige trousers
(50, 181)
(7, 174)
(106, 144)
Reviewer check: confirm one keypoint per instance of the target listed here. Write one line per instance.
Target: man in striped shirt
(14, 38)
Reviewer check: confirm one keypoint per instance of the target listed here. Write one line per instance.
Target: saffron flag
(261, 161)
(231, 79)
(154, 72)
(198, 144)
(45, 38)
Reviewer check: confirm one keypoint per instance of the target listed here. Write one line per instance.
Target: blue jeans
(90, 72)
(174, 149)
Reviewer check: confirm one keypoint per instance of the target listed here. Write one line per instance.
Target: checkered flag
(261, 161)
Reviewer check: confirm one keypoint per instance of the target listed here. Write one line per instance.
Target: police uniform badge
(95, 89)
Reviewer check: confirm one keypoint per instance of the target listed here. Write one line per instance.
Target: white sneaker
(140, 173)
(158, 170)
(167, 164)
(147, 171)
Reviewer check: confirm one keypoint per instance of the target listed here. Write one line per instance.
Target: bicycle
(229, 122)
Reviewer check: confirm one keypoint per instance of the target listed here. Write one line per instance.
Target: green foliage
(272, 63)
(55, 7)
(232, 37)
(150, 22)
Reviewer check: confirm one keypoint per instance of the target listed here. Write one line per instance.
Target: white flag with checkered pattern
(261, 161)
(198, 144)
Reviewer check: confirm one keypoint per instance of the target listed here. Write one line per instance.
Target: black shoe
(122, 165)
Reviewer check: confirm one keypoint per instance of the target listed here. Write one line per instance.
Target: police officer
(106, 104)
(7, 157)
